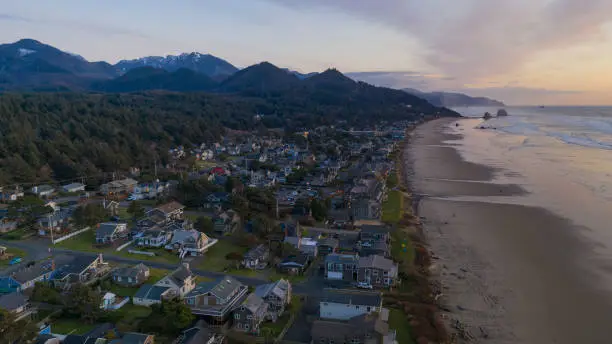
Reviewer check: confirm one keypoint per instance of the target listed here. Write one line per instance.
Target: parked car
(364, 285)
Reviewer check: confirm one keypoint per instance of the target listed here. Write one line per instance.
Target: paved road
(37, 249)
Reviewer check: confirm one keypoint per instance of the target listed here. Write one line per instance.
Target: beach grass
(393, 207)
(399, 322)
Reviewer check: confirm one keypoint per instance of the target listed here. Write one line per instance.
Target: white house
(181, 280)
(74, 187)
(43, 190)
(341, 304)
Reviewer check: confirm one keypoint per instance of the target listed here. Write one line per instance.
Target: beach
(511, 272)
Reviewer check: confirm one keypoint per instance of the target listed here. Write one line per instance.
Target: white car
(364, 285)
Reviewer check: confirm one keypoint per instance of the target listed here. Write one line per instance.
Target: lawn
(13, 253)
(84, 242)
(214, 259)
(399, 322)
(402, 248)
(393, 207)
(275, 276)
(70, 326)
(129, 313)
(392, 180)
(277, 327)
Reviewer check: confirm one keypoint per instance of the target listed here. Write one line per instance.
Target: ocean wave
(580, 140)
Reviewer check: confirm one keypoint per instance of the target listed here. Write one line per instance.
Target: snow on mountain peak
(23, 52)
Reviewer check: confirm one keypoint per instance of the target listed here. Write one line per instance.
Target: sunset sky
(518, 51)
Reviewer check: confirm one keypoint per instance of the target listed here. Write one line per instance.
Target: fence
(68, 236)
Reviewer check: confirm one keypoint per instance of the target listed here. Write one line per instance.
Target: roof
(73, 186)
(221, 288)
(300, 259)
(256, 251)
(12, 301)
(106, 229)
(132, 338)
(346, 296)
(181, 236)
(131, 271)
(377, 262)
(43, 338)
(150, 292)
(74, 339)
(181, 274)
(279, 288)
(375, 229)
(65, 265)
(341, 258)
(29, 273)
(170, 207)
(196, 335)
(356, 326)
(254, 303)
(329, 242)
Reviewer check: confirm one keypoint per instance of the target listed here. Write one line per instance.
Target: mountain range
(29, 65)
(450, 99)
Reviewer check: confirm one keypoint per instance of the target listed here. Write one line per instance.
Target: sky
(523, 52)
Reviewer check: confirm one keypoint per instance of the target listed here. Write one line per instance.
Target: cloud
(12, 17)
(406, 79)
(478, 38)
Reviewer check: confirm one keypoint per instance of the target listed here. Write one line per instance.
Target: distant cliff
(448, 99)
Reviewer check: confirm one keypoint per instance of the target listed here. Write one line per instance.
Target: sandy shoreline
(510, 272)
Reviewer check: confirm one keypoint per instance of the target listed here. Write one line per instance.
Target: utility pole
(50, 228)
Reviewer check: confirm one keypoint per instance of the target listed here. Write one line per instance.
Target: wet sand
(511, 273)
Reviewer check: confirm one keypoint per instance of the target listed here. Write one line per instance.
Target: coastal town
(260, 237)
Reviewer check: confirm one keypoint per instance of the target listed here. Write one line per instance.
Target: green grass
(85, 242)
(399, 322)
(277, 327)
(214, 259)
(275, 276)
(70, 326)
(13, 252)
(392, 180)
(402, 248)
(130, 313)
(17, 234)
(393, 207)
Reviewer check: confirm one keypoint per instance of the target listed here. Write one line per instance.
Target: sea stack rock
(502, 113)
(487, 116)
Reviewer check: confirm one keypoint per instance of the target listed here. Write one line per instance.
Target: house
(55, 221)
(250, 314)
(294, 264)
(74, 187)
(277, 295)
(366, 209)
(7, 226)
(43, 191)
(308, 246)
(181, 280)
(27, 276)
(134, 338)
(215, 300)
(46, 339)
(188, 242)
(78, 269)
(377, 271)
(343, 304)
(374, 240)
(153, 237)
(11, 195)
(109, 232)
(169, 212)
(327, 246)
(17, 304)
(149, 294)
(341, 266)
(116, 187)
(366, 328)
(256, 257)
(226, 222)
(216, 199)
(200, 335)
(131, 276)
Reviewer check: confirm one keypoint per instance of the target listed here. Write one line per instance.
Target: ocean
(518, 213)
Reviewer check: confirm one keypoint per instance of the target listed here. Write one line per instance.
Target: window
(375, 272)
(249, 317)
(368, 309)
(191, 301)
(237, 316)
(356, 307)
(238, 325)
(246, 326)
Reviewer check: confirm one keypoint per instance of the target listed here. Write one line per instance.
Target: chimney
(101, 259)
(186, 265)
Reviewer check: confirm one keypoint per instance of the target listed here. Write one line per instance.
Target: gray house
(341, 266)
(250, 314)
(109, 232)
(131, 276)
(377, 271)
(17, 304)
(255, 257)
(277, 295)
